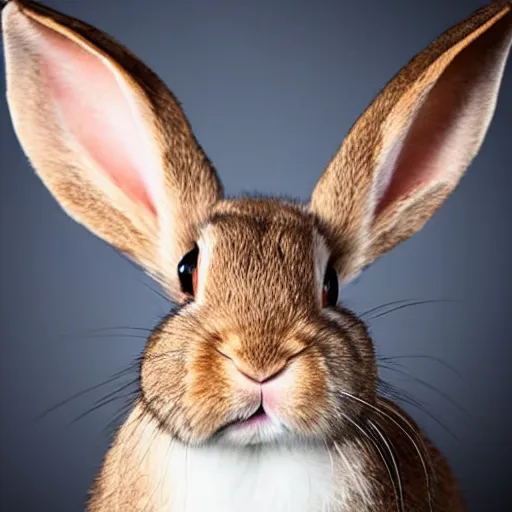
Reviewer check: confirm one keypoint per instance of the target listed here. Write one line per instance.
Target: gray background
(270, 88)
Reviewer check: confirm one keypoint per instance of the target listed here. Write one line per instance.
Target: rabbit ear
(106, 137)
(408, 151)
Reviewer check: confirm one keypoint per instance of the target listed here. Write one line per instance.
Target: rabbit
(258, 392)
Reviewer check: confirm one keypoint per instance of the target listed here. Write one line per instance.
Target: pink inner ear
(451, 123)
(103, 118)
(416, 161)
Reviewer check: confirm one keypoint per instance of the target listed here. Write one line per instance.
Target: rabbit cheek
(299, 395)
(209, 399)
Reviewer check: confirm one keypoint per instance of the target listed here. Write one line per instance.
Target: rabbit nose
(259, 376)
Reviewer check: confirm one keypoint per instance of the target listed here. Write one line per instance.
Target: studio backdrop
(271, 88)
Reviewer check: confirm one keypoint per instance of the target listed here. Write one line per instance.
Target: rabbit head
(257, 349)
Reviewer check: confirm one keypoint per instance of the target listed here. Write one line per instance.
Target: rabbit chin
(254, 431)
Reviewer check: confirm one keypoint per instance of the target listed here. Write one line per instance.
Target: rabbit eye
(330, 289)
(187, 271)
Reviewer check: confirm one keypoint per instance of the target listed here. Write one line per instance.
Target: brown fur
(466, 60)
(189, 180)
(258, 309)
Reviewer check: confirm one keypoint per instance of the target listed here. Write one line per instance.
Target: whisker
(100, 405)
(385, 305)
(156, 292)
(66, 401)
(94, 330)
(393, 458)
(157, 430)
(361, 489)
(114, 336)
(429, 386)
(91, 332)
(399, 493)
(123, 412)
(418, 451)
(118, 390)
(422, 356)
(330, 456)
(408, 305)
(395, 393)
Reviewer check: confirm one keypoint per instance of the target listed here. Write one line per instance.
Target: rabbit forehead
(261, 249)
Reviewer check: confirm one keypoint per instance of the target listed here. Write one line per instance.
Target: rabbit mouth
(258, 417)
(258, 428)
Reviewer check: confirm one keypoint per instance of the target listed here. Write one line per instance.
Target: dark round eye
(187, 271)
(330, 290)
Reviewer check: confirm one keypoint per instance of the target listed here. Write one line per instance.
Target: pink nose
(258, 376)
(270, 385)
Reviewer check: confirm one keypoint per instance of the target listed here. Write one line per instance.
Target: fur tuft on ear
(408, 151)
(106, 137)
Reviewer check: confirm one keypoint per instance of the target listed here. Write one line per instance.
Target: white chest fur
(272, 479)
